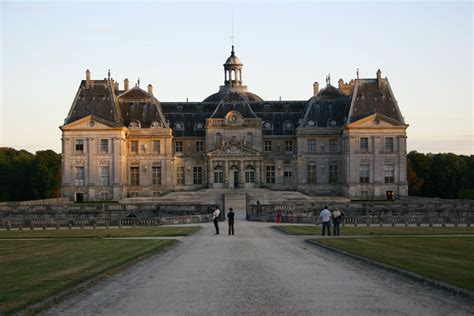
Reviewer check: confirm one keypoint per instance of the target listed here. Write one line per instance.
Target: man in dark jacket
(230, 216)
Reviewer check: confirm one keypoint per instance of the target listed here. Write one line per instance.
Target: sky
(425, 49)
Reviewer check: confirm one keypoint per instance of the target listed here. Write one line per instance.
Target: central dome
(233, 91)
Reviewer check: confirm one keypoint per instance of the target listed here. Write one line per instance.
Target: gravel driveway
(258, 271)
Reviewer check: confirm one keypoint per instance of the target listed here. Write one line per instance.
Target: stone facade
(346, 141)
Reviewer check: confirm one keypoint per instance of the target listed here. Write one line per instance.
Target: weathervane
(232, 37)
(328, 79)
(357, 73)
(108, 73)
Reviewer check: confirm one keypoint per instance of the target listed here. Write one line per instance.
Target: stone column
(226, 174)
(242, 174)
(257, 172)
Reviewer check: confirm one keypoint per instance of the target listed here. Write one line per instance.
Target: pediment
(90, 122)
(376, 121)
(135, 93)
(233, 150)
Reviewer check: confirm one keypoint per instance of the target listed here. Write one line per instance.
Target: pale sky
(424, 48)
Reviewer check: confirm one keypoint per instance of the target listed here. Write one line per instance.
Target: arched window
(249, 174)
(218, 175)
(287, 125)
(135, 124)
(267, 125)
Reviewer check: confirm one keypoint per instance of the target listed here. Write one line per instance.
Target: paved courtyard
(258, 271)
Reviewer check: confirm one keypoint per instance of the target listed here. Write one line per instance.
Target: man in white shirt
(215, 217)
(326, 220)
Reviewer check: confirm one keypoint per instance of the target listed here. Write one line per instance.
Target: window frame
(267, 145)
(311, 173)
(104, 149)
(134, 175)
(270, 174)
(311, 145)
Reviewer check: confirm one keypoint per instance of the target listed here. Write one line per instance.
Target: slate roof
(98, 100)
(233, 96)
(278, 117)
(370, 97)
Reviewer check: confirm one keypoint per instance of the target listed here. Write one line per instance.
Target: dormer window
(267, 125)
(134, 124)
(198, 126)
(156, 124)
(179, 126)
(332, 123)
(287, 125)
(311, 123)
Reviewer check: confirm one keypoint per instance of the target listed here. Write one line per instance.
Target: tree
(46, 175)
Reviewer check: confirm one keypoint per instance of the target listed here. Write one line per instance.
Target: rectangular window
(312, 173)
(333, 145)
(333, 173)
(180, 176)
(364, 173)
(268, 145)
(218, 175)
(389, 144)
(104, 196)
(135, 175)
(133, 194)
(79, 146)
(156, 175)
(389, 173)
(364, 144)
(197, 175)
(104, 175)
(104, 146)
(134, 146)
(249, 175)
(311, 145)
(270, 174)
(289, 146)
(156, 147)
(79, 177)
(287, 177)
(178, 147)
(199, 146)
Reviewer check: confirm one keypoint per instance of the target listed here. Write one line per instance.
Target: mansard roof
(373, 96)
(97, 99)
(223, 108)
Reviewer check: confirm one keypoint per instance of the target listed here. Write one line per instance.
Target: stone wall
(24, 216)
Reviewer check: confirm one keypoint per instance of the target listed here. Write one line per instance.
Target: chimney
(150, 89)
(315, 88)
(125, 84)
(116, 86)
(88, 79)
(379, 78)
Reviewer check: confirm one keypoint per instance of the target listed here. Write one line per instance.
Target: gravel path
(259, 271)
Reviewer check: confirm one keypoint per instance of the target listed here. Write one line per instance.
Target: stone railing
(430, 212)
(80, 215)
(55, 201)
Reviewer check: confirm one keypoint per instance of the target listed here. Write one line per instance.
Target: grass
(102, 232)
(375, 230)
(447, 259)
(32, 270)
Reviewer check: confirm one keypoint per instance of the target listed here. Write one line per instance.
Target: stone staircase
(238, 202)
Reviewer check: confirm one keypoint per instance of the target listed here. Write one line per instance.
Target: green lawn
(447, 259)
(31, 270)
(157, 231)
(376, 230)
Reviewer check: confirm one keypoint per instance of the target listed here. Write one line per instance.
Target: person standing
(230, 217)
(215, 217)
(336, 221)
(326, 220)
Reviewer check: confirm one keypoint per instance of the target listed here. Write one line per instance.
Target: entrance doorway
(79, 197)
(390, 196)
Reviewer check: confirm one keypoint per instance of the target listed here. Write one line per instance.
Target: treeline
(26, 176)
(441, 175)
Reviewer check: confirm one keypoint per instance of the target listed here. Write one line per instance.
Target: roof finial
(328, 79)
(108, 73)
(357, 73)
(232, 37)
(138, 82)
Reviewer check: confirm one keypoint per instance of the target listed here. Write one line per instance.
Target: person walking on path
(326, 220)
(215, 217)
(336, 221)
(230, 216)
